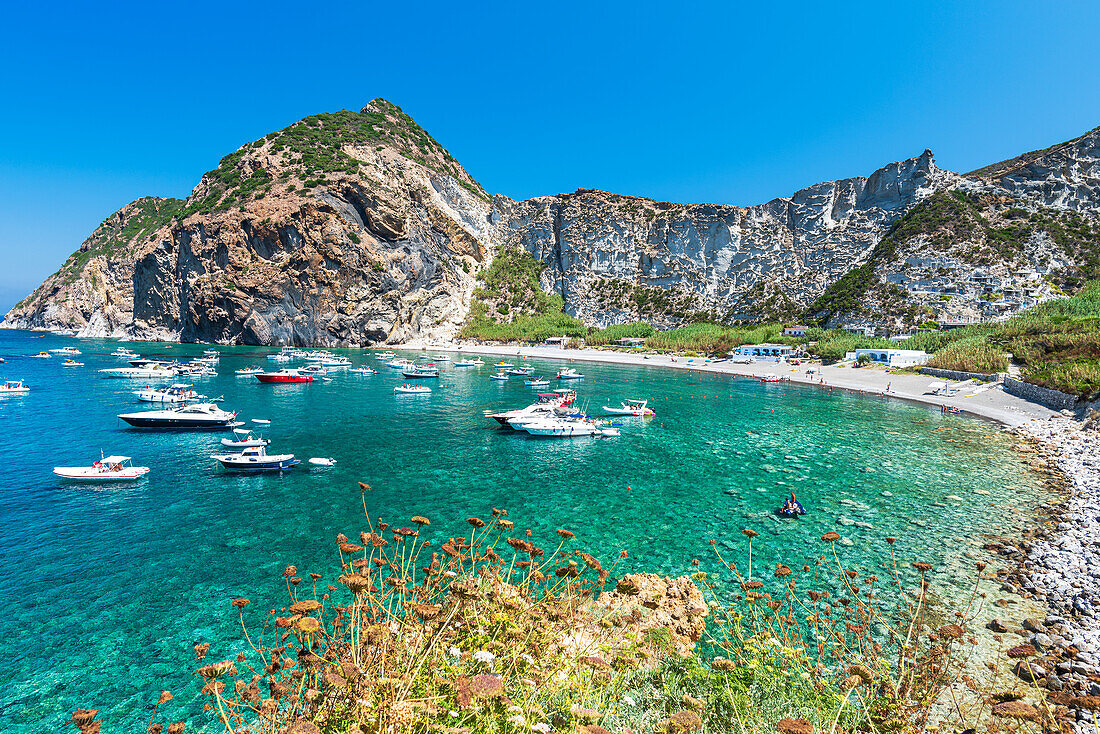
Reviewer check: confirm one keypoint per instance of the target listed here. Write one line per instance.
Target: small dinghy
(244, 440)
(262, 421)
(412, 389)
(537, 382)
(635, 408)
(465, 363)
(569, 374)
(363, 371)
(499, 376)
(321, 461)
(107, 469)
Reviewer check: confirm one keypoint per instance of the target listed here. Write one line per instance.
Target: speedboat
(279, 357)
(66, 350)
(503, 365)
(412, 389)
(179, 393)
(256, 458)
(210, 361)
(322, 461)
(441, 358)
(41, 355)
(401, 364)
(631, 407)
(283, 376)
(154, 371)
(384, 356)
(124, 352)
(561, 427)
(466, 363)
(537, 382)
(107, 469)
(210, 352)
(197, 415)
(248, 371)
(364, 370)
(336, 362)
(314, 369)
(546, 403)
(520, 372)
(13, 386)
(71, 363)
(499, 376)
(420, 373)
(569, 374)
(244, 440)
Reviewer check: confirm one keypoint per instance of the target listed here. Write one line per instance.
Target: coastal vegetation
(490, 632)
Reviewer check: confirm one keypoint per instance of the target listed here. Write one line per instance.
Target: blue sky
(698, 101)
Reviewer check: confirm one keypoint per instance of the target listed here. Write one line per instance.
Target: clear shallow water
(106, 589)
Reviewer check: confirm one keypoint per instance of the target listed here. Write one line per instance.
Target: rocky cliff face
(602, 248)
(350, 229)
(343, 230)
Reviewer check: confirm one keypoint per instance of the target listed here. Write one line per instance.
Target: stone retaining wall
(953, 375)
(1044, 396)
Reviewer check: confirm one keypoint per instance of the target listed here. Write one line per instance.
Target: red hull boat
(283, 376)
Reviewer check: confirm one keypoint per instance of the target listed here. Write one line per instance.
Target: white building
(795, 331)
(765, 350)
(892, 357)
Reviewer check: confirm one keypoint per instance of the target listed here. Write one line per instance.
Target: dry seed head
(1016, 710)
(476, 522)
(750, 534)
(420, 520)
(831, 536)
(794, 726)
(1021, 651)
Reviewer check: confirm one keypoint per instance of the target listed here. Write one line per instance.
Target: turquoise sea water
(105, 590)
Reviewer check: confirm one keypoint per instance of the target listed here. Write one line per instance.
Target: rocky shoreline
(1058, 563)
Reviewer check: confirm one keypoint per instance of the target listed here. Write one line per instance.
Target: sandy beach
(983, 401)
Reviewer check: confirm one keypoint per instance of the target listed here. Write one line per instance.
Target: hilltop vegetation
(121, 231)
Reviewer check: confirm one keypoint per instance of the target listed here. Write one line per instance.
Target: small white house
(557, 341)
(892, 357)
(795, 331)
(632, 341)
(765, 350)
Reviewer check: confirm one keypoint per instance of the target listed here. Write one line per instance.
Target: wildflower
(484, 656)
(454, 652)
(782, 570)
(1021, 651)
(567, 535)
(831, 536)
(290, 571)
(404, 531)
(541, 728)
(693, 703)
(201, 650)
(750, 534)
(628, 701)
(486, 685)
(309, 625)
(922, 566)
(304, 607)
(794, 726)
(890, 540)
(241, 603)
(419, 520)
(350, 548)
(1016, 710)
(476, 522)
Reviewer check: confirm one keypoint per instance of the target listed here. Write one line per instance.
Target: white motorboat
(610, 431)
(322, 461)
(73, 351)
(336, 362)
(42, 355)
(248, 371)
(562, 428)
(466, 363)
(401, 364)
(547, 401)
(210, 361)
(503, 365)
(441, 358)
(261, 421)
(419, 373)
(13, 386)
(198, 415)
(520, 372)
(256, 458)
(155, 371)
(412, 389)
(107, 469)
(635, 408)
(279, 357)
(244, 440)
(364, 370)
(385, 356)
(179, 393)
(537, 382)
(210, 352)
(499, 377)
(125, 353)
(569, 374)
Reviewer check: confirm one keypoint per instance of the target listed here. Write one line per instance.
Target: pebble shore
(1060, 565)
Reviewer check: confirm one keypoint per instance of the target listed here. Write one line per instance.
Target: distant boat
(503, 365)
(66, 350)
(441, 358)
(198, 415)
(283, 376)
(569, 374)
(520, 372)
(537, 382)
(248, 371)
(41, 355)
(500, 376)
(322, 461)
(172, 394)
(107, 469)
(256, 459)
(364, 370)
(13, 386)
(420, 373)
(635, 408)
(412, 389)
(467, 363)
(245, 440)
(155, 371)
(71, 363)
